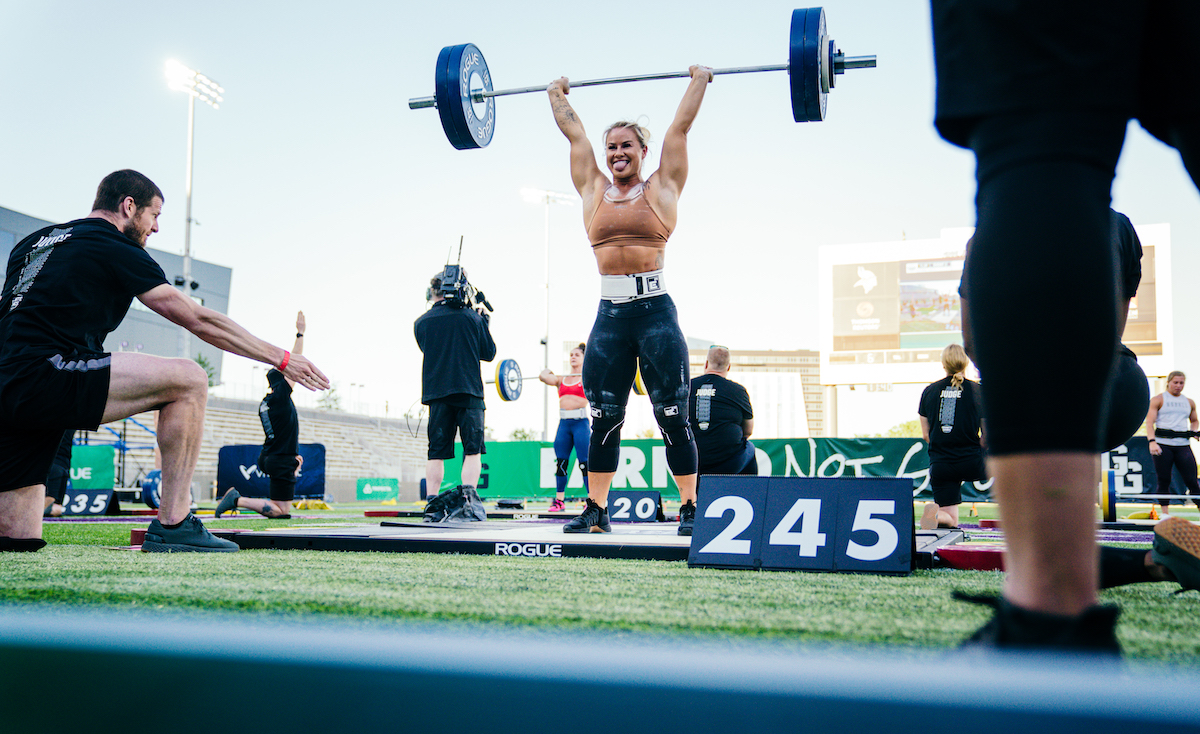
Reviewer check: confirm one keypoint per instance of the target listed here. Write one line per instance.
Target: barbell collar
(841, 62)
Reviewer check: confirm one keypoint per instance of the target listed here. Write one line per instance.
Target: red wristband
(286, 358)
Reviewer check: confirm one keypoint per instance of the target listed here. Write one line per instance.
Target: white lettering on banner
(629, 469)
(81, 472)
(764, 462)
(840, 470)
(249, 471)
(858, 463)
(922, 473)
(658, 466)
(792, 465)
(1127, 475)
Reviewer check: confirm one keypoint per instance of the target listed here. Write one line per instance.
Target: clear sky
(324, 192)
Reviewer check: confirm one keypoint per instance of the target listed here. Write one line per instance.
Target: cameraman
(454, 339)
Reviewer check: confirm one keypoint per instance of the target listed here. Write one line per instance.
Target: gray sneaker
(228, 502)
(190, 537)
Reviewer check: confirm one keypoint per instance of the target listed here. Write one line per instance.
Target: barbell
(465, 99)
(508, 380)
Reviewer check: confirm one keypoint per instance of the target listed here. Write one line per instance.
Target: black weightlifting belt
(1168, 433)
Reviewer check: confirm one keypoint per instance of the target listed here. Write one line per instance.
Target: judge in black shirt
(952, 425)
(722, 418)
(454, 340)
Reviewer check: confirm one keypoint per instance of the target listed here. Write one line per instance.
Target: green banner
(526, 468)
(376, 489)
(93, 467)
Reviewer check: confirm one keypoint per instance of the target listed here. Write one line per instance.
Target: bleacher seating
(355, 446)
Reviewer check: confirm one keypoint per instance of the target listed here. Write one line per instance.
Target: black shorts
(279, 466)
(444, 420)
(946, 478)
(39, 399)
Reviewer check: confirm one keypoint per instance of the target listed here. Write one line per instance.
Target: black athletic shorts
(279, 466)
(946, 478)
(39, 399)
(444, 420)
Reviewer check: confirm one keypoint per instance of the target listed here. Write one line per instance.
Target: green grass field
(80, 569)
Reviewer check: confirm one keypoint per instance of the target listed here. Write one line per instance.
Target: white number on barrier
(622, 505)
(808, 512)
(864, 520)
(645, 508)
(98, 504)
(726, 541)
(80, 503)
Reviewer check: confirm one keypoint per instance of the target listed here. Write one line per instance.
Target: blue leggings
(572, 433)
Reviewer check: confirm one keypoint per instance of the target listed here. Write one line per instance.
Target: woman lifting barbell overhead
(574, 429)
(628, 221)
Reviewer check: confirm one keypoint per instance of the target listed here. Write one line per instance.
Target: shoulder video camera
(456, 290)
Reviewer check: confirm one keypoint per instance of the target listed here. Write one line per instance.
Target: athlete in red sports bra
(574, 428)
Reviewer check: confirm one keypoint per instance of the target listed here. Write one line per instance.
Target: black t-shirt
(69, 285)
(716, 411)
(280, 422)
(454, 341)
(954, 418)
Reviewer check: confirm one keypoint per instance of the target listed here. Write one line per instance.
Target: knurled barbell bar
(462, 81)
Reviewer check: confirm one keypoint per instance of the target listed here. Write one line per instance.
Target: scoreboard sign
(87, 501)
(862, 525)
(626, 505)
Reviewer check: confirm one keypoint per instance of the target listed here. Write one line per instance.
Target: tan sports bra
(627, 220)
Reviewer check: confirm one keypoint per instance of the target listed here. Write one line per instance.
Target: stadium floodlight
(197, 86)
(541, 196)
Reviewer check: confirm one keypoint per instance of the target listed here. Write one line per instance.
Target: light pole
(535, 196)
(196, 86)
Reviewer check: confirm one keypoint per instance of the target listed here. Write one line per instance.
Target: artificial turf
(557, 595)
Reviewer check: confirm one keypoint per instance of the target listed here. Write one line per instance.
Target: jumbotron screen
(889, 308)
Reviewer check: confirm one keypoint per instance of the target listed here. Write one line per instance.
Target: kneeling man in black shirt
(67, 287)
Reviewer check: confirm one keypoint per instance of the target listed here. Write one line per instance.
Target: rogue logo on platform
(551, 550)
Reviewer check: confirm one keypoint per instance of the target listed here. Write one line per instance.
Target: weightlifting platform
(530, 538)
(653, 541)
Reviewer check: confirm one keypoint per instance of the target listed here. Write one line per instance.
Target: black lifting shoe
(594, 519)
(1013, 628)
(687, 517)
(190, 537)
